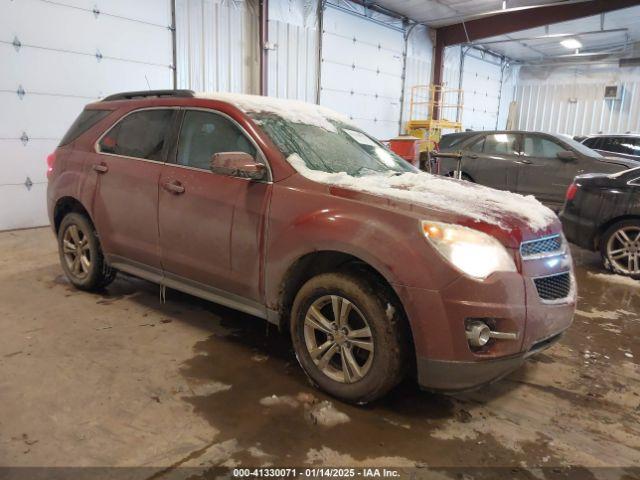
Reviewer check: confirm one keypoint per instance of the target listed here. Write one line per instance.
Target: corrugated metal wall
(293, 49)
(218, 45)
(55, 58)
(571, 100)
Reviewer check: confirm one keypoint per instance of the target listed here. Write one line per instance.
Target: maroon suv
(287, 211)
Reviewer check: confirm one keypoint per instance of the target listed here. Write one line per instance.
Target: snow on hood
(292, 110)
(441, 194)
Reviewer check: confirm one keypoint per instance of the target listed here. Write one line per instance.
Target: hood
(510, 217)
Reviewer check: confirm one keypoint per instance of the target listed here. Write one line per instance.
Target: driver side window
(541, 147)
(205, 133)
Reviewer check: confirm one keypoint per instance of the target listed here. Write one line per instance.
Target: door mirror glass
(238, 164)
(566, 155)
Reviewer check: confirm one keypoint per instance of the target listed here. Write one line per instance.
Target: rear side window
(140, 134)
(86, 120)
(501, 144)
(448, 141)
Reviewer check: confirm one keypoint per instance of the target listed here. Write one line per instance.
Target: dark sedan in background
(624, 146)
(602, 212)
(530, 163)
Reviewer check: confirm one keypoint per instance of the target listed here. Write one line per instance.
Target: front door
(492, 160)
(128, 163)
(542, 173)
(211, 223)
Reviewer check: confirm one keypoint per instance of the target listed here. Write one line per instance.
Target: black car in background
(624, 146)
(530, 163)
(602, 212)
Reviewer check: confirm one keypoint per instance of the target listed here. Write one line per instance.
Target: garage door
(56, 58)
(362, 71)
(481, 85)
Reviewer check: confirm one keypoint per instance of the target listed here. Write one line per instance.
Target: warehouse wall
(56, 58)
(570, 100)
(293, 49)
(218, 45)
(361, 68)
(487, 83)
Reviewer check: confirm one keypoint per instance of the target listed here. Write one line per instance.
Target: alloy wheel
(623, 250)
(338, 339)
(76, 251)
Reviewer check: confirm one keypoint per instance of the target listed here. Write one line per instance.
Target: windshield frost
(343, 150)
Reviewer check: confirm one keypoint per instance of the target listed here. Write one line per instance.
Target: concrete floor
(119, 379)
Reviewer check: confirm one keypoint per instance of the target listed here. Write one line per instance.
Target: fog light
(478, 334)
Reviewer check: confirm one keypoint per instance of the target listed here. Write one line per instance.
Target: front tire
(348, 337)
(620, 248)
(81, 256)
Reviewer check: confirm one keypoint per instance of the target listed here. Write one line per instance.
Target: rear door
(541, 173)
(128, 163)
(211, 225)
(492, 160)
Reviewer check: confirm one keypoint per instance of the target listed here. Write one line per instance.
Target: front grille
(554, 287)
(541, 246)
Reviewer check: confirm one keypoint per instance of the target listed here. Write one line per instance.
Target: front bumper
(453, 376)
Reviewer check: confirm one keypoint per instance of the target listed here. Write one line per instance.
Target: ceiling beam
(514, 21)
(550, 36)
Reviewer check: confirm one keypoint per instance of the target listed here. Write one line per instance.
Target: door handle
(100, 167)
(524, 162)
(174, 187)
(473, 156)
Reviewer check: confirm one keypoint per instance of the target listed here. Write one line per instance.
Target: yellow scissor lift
(429, 110)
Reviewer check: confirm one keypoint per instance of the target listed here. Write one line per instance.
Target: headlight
(472, 252)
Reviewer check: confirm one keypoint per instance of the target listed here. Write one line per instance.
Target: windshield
(344, 150)
(580, 148)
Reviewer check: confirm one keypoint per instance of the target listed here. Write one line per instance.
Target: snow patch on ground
(603, 314)
(291, 110)
(204, 389)
(439, 193)
(617, 279)
(325, 414)
(325, 456)
(277, 401)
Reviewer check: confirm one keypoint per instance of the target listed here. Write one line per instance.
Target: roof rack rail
(149, 93)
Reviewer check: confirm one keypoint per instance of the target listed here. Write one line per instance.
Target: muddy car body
(283, 244)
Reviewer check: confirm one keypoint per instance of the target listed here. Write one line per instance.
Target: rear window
(86, 120)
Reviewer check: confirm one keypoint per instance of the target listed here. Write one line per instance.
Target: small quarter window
(86, 120)
(140, 135)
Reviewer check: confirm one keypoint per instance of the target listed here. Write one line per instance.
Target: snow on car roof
(442, 194)
(294, 111)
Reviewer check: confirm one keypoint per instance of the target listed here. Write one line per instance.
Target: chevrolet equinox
(287, 211)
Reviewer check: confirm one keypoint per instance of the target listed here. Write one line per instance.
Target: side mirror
(238, 164)
(566, 155)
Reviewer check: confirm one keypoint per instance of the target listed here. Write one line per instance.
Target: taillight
(51, 160)
(571, 192)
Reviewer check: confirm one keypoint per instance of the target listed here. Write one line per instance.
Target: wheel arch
(608, 224)
(66, 205)
(315, 263)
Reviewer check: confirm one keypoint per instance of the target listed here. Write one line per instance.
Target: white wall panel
(570, 100)
(218, 45)
(69, 55)
(362, 71)
(419, 64)
(481, 84)
(293, 49)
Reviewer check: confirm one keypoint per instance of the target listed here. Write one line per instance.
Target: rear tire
(464, 176)
(81, 256)
(620, 248)
(362, 354)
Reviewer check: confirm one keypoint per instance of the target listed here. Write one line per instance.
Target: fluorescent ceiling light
(571, 43)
